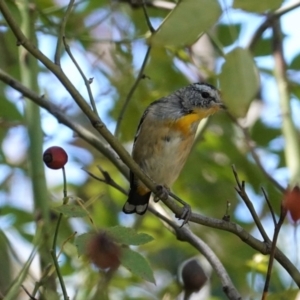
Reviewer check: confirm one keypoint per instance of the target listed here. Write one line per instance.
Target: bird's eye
(205, 94)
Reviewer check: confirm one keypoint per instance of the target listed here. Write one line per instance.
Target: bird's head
(201, 98)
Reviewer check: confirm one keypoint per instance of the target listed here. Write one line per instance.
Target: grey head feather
(185, 101)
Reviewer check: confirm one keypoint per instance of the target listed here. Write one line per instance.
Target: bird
(165, 136)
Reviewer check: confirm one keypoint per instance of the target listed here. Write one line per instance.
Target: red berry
(55, 157)
(291, 203)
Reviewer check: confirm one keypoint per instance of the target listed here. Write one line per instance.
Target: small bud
(103, 251)
(291, 203)
(55, 157)
(193, 276)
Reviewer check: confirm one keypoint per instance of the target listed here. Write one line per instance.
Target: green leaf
(186, 22)
(239, 81)
(227, 34)
(9, 111)
(295, 89)
(257, 6)
(263, 47)
(291, 294)
(295, 63)
(71, 210)
(81, 241)
(128, 236)
(262, 134)
(5, 261)
(137, 264)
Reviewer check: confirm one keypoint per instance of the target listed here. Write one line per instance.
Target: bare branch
(82, 132)
(269, 20)
(132, 90)
(270, 206)
(62, 32)
(252, 150)
(186, 235)
(87, 82)
(107, 179)
(243, 194)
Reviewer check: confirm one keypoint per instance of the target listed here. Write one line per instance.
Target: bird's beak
(219, 105)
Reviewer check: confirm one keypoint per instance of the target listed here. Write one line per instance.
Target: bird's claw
(162, 193)
(185, 215)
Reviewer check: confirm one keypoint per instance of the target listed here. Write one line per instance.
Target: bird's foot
(185, 215)
(162, 193)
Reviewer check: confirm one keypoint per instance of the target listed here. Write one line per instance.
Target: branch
(283, 212)
(87, 82)
(80, 101)
(196, 218)
(186, 235)
(268, 22)
(54, 110)
(61, 33)
(107, 179)
(132, 90)
(126, 158)
(289, 130)
(147, 17)
(243, 194)
(255, 156)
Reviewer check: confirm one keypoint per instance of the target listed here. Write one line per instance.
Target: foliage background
(108, 41)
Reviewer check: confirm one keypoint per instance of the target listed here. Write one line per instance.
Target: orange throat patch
(184, 123)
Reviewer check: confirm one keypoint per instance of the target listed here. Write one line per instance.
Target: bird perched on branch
(165, 136)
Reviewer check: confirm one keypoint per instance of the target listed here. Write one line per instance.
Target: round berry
(291, 203)
(193, 276)
(55, 157)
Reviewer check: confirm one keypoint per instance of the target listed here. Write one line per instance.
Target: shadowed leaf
(186, 22)
(239, 81)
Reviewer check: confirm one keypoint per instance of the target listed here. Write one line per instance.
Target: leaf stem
(53, 250)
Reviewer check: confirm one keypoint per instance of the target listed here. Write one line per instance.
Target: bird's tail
(136, 203)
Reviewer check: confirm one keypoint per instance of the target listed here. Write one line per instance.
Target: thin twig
(272, 252)
(27, 292)
(79, 202)
(62, 32)
(147, 17)
(64, 243)
(54, 110)
(132, 90)
(185, 234)
(243, 194)
(56, 265)
(87, 82)
(53, 249)
(252, 150)
(107, 179)
(269, 205)
(268, 22)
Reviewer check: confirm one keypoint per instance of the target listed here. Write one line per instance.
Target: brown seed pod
(193, 276)
(103, 251)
